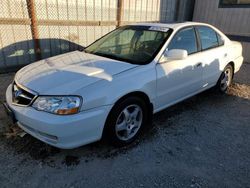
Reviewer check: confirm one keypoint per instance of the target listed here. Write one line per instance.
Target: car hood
(69, 72)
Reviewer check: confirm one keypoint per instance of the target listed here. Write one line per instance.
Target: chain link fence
(36, 29)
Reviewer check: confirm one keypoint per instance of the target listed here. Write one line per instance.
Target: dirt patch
(239, 90)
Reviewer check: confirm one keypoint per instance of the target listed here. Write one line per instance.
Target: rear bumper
(60, 131)
(237, 63)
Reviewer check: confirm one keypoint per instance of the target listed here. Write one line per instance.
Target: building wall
(232, 21)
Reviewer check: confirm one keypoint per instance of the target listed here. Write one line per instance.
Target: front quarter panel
(106, 92)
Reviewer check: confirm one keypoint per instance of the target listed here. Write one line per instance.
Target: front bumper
(65, 132)
(9, 112)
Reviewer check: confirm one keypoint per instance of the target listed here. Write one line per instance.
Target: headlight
(62, 105)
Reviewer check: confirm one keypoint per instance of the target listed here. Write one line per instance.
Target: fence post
(33, 27)
(119, 12)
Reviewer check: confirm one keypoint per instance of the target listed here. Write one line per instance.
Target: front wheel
(225, 79)
(126, 121)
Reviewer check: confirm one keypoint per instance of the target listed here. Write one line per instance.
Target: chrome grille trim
(25, 94)
(25, 88)
(25, 97)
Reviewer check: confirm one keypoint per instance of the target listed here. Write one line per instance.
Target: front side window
(208, 37)
(133, 44)
(185, 40)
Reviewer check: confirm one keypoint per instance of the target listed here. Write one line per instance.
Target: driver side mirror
(175, 54)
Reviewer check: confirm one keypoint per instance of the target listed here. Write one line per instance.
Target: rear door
(213, 54)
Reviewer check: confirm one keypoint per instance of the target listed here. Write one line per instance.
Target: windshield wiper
(104, 55)
(112, 57)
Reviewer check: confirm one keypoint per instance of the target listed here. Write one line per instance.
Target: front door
(178, 79)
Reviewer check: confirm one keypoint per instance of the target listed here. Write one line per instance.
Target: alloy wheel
(129, 122)
(226, 79)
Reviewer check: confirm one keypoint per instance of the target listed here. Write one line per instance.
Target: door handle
(198, 64)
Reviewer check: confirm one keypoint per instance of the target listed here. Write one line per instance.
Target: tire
(126, 121)
(225, 79)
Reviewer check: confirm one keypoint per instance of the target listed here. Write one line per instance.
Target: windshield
(133, 44)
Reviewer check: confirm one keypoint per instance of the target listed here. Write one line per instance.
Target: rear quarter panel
(235, 54)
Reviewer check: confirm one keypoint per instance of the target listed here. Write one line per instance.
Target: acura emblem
(17, 93)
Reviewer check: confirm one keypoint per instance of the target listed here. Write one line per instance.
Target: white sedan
(114, 86)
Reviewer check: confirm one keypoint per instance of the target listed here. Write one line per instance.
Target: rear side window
(220, 40)
(185, 40)
(208, 37)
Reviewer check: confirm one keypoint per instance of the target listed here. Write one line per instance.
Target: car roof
(172, 25)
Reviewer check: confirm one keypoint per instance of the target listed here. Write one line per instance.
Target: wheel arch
(230, 63)
(139, 94)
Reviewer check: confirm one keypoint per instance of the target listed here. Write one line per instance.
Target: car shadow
(19, 54)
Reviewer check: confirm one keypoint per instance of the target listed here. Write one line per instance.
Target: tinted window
(184, 39)
(234, 3)
(208, 37)
(220, 40)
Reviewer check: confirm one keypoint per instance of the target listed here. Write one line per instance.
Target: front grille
(21, 95)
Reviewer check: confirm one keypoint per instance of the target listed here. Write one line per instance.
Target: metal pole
(119, 12)
(177, 11)
(33, 27)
